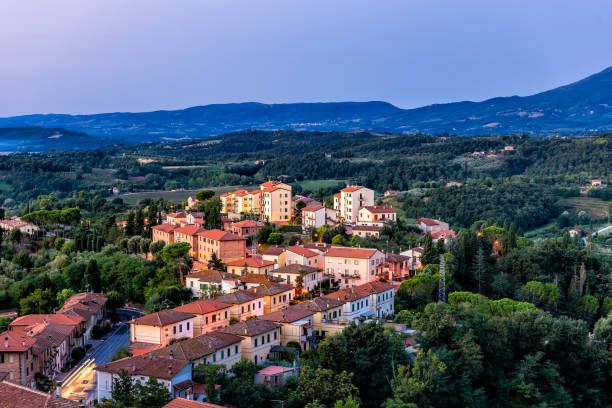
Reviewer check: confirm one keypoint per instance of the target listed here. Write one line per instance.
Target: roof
(271, 289)
(380, 209)
(179, 214)
(275, 370)
(366, 228)
(259, 278)
(247, 224)
(271, 189)
(250, 262)
(219, 235)
(255, 192)
(348, 295)
(185, 403)
(29, 320)
(251, 327)
(314, 207)
(301, 251)
(207, 275)
(346, 252)
(270, 183)
(146, 365)
(295, 269)
(84, 304)
(197, 347)
(337, 195)
(350, 189)
(376, 286)
(163, 318)
(203, 306)
(428, 221)
(397, 258)
(164, 227)
(188, 230)
(288, 315)
(320, 304)
(273, 251)
(238, 297)
(11, 341)
(442, 233)
(17, 396)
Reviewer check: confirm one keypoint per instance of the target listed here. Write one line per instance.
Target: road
(603, 230)
(80, 385)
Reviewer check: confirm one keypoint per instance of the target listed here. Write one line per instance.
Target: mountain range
(582, 107)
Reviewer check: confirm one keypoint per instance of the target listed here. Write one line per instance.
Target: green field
(594, 207)
(175, 196)
(314, 185)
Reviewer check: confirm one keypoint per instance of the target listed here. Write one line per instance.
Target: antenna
(442, 282)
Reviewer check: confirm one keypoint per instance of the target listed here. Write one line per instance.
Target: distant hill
(37, 139)
(581, 107)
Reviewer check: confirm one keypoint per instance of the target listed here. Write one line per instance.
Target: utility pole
(442, 281)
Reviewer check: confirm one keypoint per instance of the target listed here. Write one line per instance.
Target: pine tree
(430, 254)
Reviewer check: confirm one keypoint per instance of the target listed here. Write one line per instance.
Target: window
(255, 343)
(356, 262)
(236, 349)
(214, 357)
(226, 314)
(180, 328)
(174, 330)
(222, 354)
(229, 351)
(268, 337)
(206, 319)
(188, 326)
(260, 304)
(275, 335)
(263, 340)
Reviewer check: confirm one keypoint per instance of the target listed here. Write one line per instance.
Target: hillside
(37, 139)
(581, 107)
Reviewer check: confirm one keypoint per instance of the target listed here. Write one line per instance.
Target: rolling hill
(584, 106)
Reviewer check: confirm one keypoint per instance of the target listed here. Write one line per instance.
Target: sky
(75, 56)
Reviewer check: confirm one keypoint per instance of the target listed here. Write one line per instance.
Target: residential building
(196, 217)
(167, 371)
(258, 337)
(352, 266)
(276, 255)
(246, 305)
(276, 201)
(396, 268)
(248, 281)
(19, 396)
(296, 199)
(296, 325)
(351, 199)
(159, 329)
(225, 245)
(88, 305)
(52, 347)
(163, 232)
(376, 215)
(275, 377)
(415, 257)
(246, 228)
(75, 325)
(189, 234)
(430, 225)
(275, 295)
(443, 234)
(303, 256)
(205, 283)
(356, 304)
(178, 219)
(17, 358)
(327, 317)
(381, 297)
(249, 265)
(313, 216)
(179, 402)
(253, 202)
(365, 231)
(311, 276)
(209, 315)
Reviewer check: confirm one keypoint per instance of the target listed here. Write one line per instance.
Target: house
(225, 245)
(276, 201)
(351, 199)
(415, 257)
(52, 347)
(187, 403)
(598, 183)
(249, 265)
(453, 184)
(163, 232)
(258, 337)
(313, 216)
(205, 283)
(275, 376)
(167, 371)
(296, 325)
(430, 225)
(194, 218)
(191, 201)
(442, 234)
(381, 297)
(365, 231)
(88, 305)
(19, 396)
(352, 266)
(327, 317)
(17, 358)
(246, 305)
(208, 348)
(177, 219)
(396, 268)
(247, 281)
(303, 256)
(209, 315)
(356, 305)
(15, 222)
(390, 193)
(276, 255)
(275, 295)
(74, 325)
(159, 329)
(575, 232)
(376, 215)
(246, 228)
(226, 221)
(189, 234)
(311, 276)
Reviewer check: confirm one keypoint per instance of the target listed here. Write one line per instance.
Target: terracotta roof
(348, 295)
(428, 221)
(219, 235)
(251, 327)
(250, 262)
(397, 258)
(288, 315)
(377, 209)
(337, 195)
(270, 183)
(163, 318)
(376, 287)
(317, 246)
(207, 275)
(259, 278)
(164, 227)
(295, 269)
(185, 403)
(48, 336)
(84, 304)
(197, 347)
(239, 297)
(350, 189)
(189, 230)
(301, 251)
(346, 252)
(271, 289)
(240, 193)
(320, 304)
(314, 207)
(442, 233)
(29, 320)
(273, 251)
(179, 214)
(146, 365)
(17, 396)
(247, 224)
(202, 306)
(255, 192)
(274, 370)
(11, 341)
(271, 189)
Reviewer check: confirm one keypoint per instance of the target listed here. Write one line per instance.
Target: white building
(352, 266)
(376, 215)
(381, 297)
(351, 199)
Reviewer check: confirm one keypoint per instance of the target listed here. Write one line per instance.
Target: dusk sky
(138, 55)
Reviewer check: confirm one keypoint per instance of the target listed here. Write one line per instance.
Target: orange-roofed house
(88, 305)
(276, 201)
(303, 256)
(352, 266)
(189, 234)
(376, 215)
(381, 297)
(19, 396)
(160, 328)
(276, 255)
(163, 232)
(296, 325)
(246, 305)
(186, 403)
(75, 325)
(249, 265)
(442, 234)
(351, 199)
(430, 225)
(17, 358)
(275, 376)
(356, 304)
(275, 295)
(246, 228)
(176, 218)
(210, 315)
(225, 245)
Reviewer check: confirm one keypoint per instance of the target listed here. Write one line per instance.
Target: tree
(122, 389)
(204, 195)
(350, 402)
(157, 246)
(338, 240)
(23, 259)
(177, 256)
(123, 352)
(77, 354)
(603, 330)
(430, 254)
(39, 301)
(216, 263)
(324, 386)
(152, 394)
(15, 236)
(114, 301)
(276, 238)
(212, 214)
(245, 370)
(92, 277)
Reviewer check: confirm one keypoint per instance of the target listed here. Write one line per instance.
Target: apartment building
(356, 305)
(376, 215)
(249, 265)
(246, 305)
(313, 216)
(350, 200)
(352, 266)
(275, 295)
(163, 232)
(258, 337)
(311, 276)
(276, 255)
(276, 201)
(225, 245)
(159, 329)
(381, 297)
(245, 228)
(17, 357)
(303, 256)
(209, 315)
(188, 234)
(296, 325)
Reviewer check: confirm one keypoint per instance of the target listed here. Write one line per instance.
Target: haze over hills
(584, 106)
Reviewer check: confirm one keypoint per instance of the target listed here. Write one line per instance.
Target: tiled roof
(295, 269)
(219, 235)
(254, 192)
(442, 234)
(337, 195)
(29, 320)
(185, 403)
(346, 252)
(317, 246)
(397, 258)
(197, 347)
(314, 207)
(202, 306)
(271, 289)
(238, 297)
(84, 304)
(380, 209)
(179, 214)
(270, 183)
(164, 227)
(247, 224)
(301, 251)
(146, 365)
(188, 230)
(163, 318)
(259, 278)
(11, 341)
(250, 262)
(17, 396)
(375, 287)
(251, 327)
(348, 295)
(350, 189)
(274, 370)
(321, 304)
(207, 275)
(428, 221)
(288, 315)
(273, 251)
